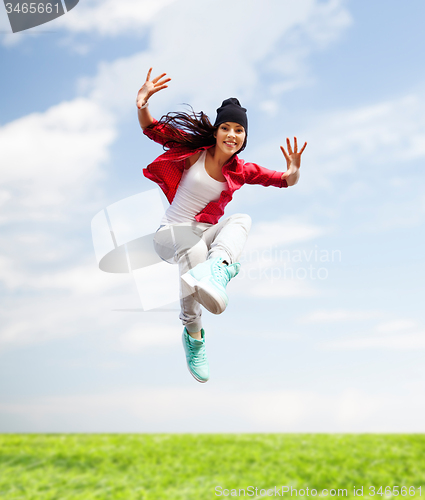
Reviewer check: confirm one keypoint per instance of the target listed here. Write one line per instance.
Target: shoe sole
(187, 364)
(213, 302)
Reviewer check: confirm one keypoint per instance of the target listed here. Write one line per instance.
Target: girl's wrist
(295, 177)
(145, 104)
(292, 177)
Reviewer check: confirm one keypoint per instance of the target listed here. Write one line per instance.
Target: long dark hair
(192, 130)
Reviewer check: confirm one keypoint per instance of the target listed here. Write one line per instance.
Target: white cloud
(318, 21)
(344, 315)
(55, 295)
(137, 339)
(355, 153)
(53, 299)
(356, 407)
(52, 159)
(79, 279)
(275, 40)
(396, 326)
(277, 288)
(110, 18)
(366, 160)
(405, 342)
(51, 168)
(63, 310)
(252, 410)
(267, 236)
(227, 410)
(369, 140)
(95, 17)
(397, 334)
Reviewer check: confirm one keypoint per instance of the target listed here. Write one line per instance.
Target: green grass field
(177, 466)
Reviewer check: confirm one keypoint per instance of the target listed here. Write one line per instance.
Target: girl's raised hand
(150, 87)
(293, 161)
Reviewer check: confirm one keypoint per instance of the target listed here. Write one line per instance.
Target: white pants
(190, 243)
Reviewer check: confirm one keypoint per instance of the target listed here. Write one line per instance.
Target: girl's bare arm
(149, 88)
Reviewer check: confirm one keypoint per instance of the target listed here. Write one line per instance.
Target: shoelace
(221, 274)
(198, 353)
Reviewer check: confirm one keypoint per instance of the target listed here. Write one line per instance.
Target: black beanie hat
(232, 111)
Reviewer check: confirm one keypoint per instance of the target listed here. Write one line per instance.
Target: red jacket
(168, 168)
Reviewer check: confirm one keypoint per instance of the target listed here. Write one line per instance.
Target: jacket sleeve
(254, 174)
(161, 134)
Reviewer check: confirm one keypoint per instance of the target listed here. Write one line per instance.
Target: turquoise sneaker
(196, 356)
(207, 282)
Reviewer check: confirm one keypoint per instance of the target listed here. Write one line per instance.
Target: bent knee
(244, 220)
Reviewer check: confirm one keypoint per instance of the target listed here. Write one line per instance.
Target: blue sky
(293, 352)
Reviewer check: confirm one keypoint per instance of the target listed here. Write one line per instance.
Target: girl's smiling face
(230, 137)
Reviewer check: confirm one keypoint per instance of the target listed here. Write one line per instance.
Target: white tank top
(195, 191)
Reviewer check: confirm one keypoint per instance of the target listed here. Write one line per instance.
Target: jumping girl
(198, 173)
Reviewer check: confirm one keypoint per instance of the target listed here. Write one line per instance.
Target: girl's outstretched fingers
(159, 83)
(285, 154)
(155, 80)
(302, 149)
(288, 143)
(150, 87)
(292, 157)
